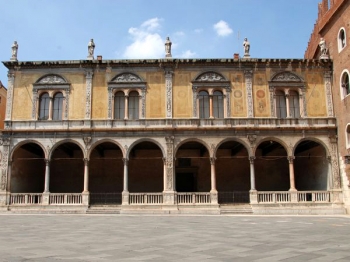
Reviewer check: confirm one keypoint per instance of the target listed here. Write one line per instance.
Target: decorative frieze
(11, 80)
(88, 76)
(328, 86)
(169, 93)
(249, 87)
(169, 163)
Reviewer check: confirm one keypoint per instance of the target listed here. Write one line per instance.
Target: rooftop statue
(246, 46)
(14, 51)
(91, 48)
(168, 47)
(324, 49)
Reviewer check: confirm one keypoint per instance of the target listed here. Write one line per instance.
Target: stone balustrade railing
(25, 199)
(193, 198)
(145, 198)
(266, 197)
(65, 199)
(170, 123)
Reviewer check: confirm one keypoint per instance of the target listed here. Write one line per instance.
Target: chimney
(235, 56)
(99, 58)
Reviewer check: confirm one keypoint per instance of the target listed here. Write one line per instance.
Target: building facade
(3, 93)
(171, 135)
(333, 27)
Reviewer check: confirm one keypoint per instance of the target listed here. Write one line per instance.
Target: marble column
(213, 191)
(47, 176)
(86, 175)
(291, 173)
(125, 193)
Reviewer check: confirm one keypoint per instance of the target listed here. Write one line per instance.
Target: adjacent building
(333, 27)
(3, 93)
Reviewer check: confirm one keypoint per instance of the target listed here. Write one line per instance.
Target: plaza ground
(173, 238)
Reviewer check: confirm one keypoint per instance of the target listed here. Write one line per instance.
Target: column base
(293, 195)
(46, 198)
(336, 196)
(4, 198)
(125, 198)
(85, 198)
(253, 195)
(169, 198)
(214, 197)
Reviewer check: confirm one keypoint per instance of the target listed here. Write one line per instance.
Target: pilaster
(9, 99)
(88, 76)
(248, 74)
(169, 92)
(169, 183)
(333, 161)
(5, 163)
(328, 86)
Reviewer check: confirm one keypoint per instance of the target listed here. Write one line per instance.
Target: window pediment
(127, 80)
(286, 79)
(211, 79)
(51, 82)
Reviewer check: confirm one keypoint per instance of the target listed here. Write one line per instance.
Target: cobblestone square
(173, 238)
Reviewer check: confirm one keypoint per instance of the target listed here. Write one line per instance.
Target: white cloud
(198, 30)
(179, 33)
(222, 28)
(187, 54)
(147, 43)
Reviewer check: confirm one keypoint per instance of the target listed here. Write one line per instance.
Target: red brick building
(333, 25)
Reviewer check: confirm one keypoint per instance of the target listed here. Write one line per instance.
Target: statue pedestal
(90, 57)
(324, 57)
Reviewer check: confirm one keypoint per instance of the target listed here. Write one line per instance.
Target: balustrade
(65, 199)
(193, 198)
(285, 197)
(25, 198)
(145, 198)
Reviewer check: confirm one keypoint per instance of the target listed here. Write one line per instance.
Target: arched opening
(67, 169)
(218, 104)
(146, 168)
(28, 169)
(106, 169)
(281, 110)
(44, 106)
(203, 101)
(294, 107)
(57, 109)
(192, 168)
(311, 166)
(271, 167)
(119, 105)
(133, 105)
(232, 173)
(345, 84)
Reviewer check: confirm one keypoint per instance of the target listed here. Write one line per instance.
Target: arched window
(57, 106)
(294, 107)
(281, 104)
(345, 84)
(218, 104)
(133, 105)
(119, 105)
(341, 39)
(44, 106)
(203, 98)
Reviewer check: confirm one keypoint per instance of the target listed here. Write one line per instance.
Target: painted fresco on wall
(182, 93)
(238, 105)
(155, 95)
(261, 96)
(315, 95)
(99, 96)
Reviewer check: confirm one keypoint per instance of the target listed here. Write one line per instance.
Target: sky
(137, 29)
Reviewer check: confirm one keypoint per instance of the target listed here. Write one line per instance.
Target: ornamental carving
(169, 93)
(126, 77)
(89, 75)
(210, 77)
(286, 77)
(11, 80)
(328, 86)
(52, 79)
(169, 163)
(249, 86)
(252, 139)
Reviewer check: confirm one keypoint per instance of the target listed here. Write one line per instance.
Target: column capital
(125, 161)
(290, 159)
(251, 159)
(89, 73)
(212, 160)
(47, 161)
(86, 161)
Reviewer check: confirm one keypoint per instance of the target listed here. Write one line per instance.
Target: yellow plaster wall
(315, 95)
(99, 102)
(155, 97)
(77, 95)
(182, 95)
(238, 95)
(261, 96)
(22, 105)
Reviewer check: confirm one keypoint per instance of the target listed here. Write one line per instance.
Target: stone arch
(145, 166)
(271, 165)
(104, 140)
(21, 143)
(133, 144)
(232, 171)
(192, 140)
(274, 139)
(67, 167)
(311, 166)
(193, 159)
(27, 167)
(57, 144)
(247, 147)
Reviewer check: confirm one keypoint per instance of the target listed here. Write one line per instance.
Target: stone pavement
(173, 238)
